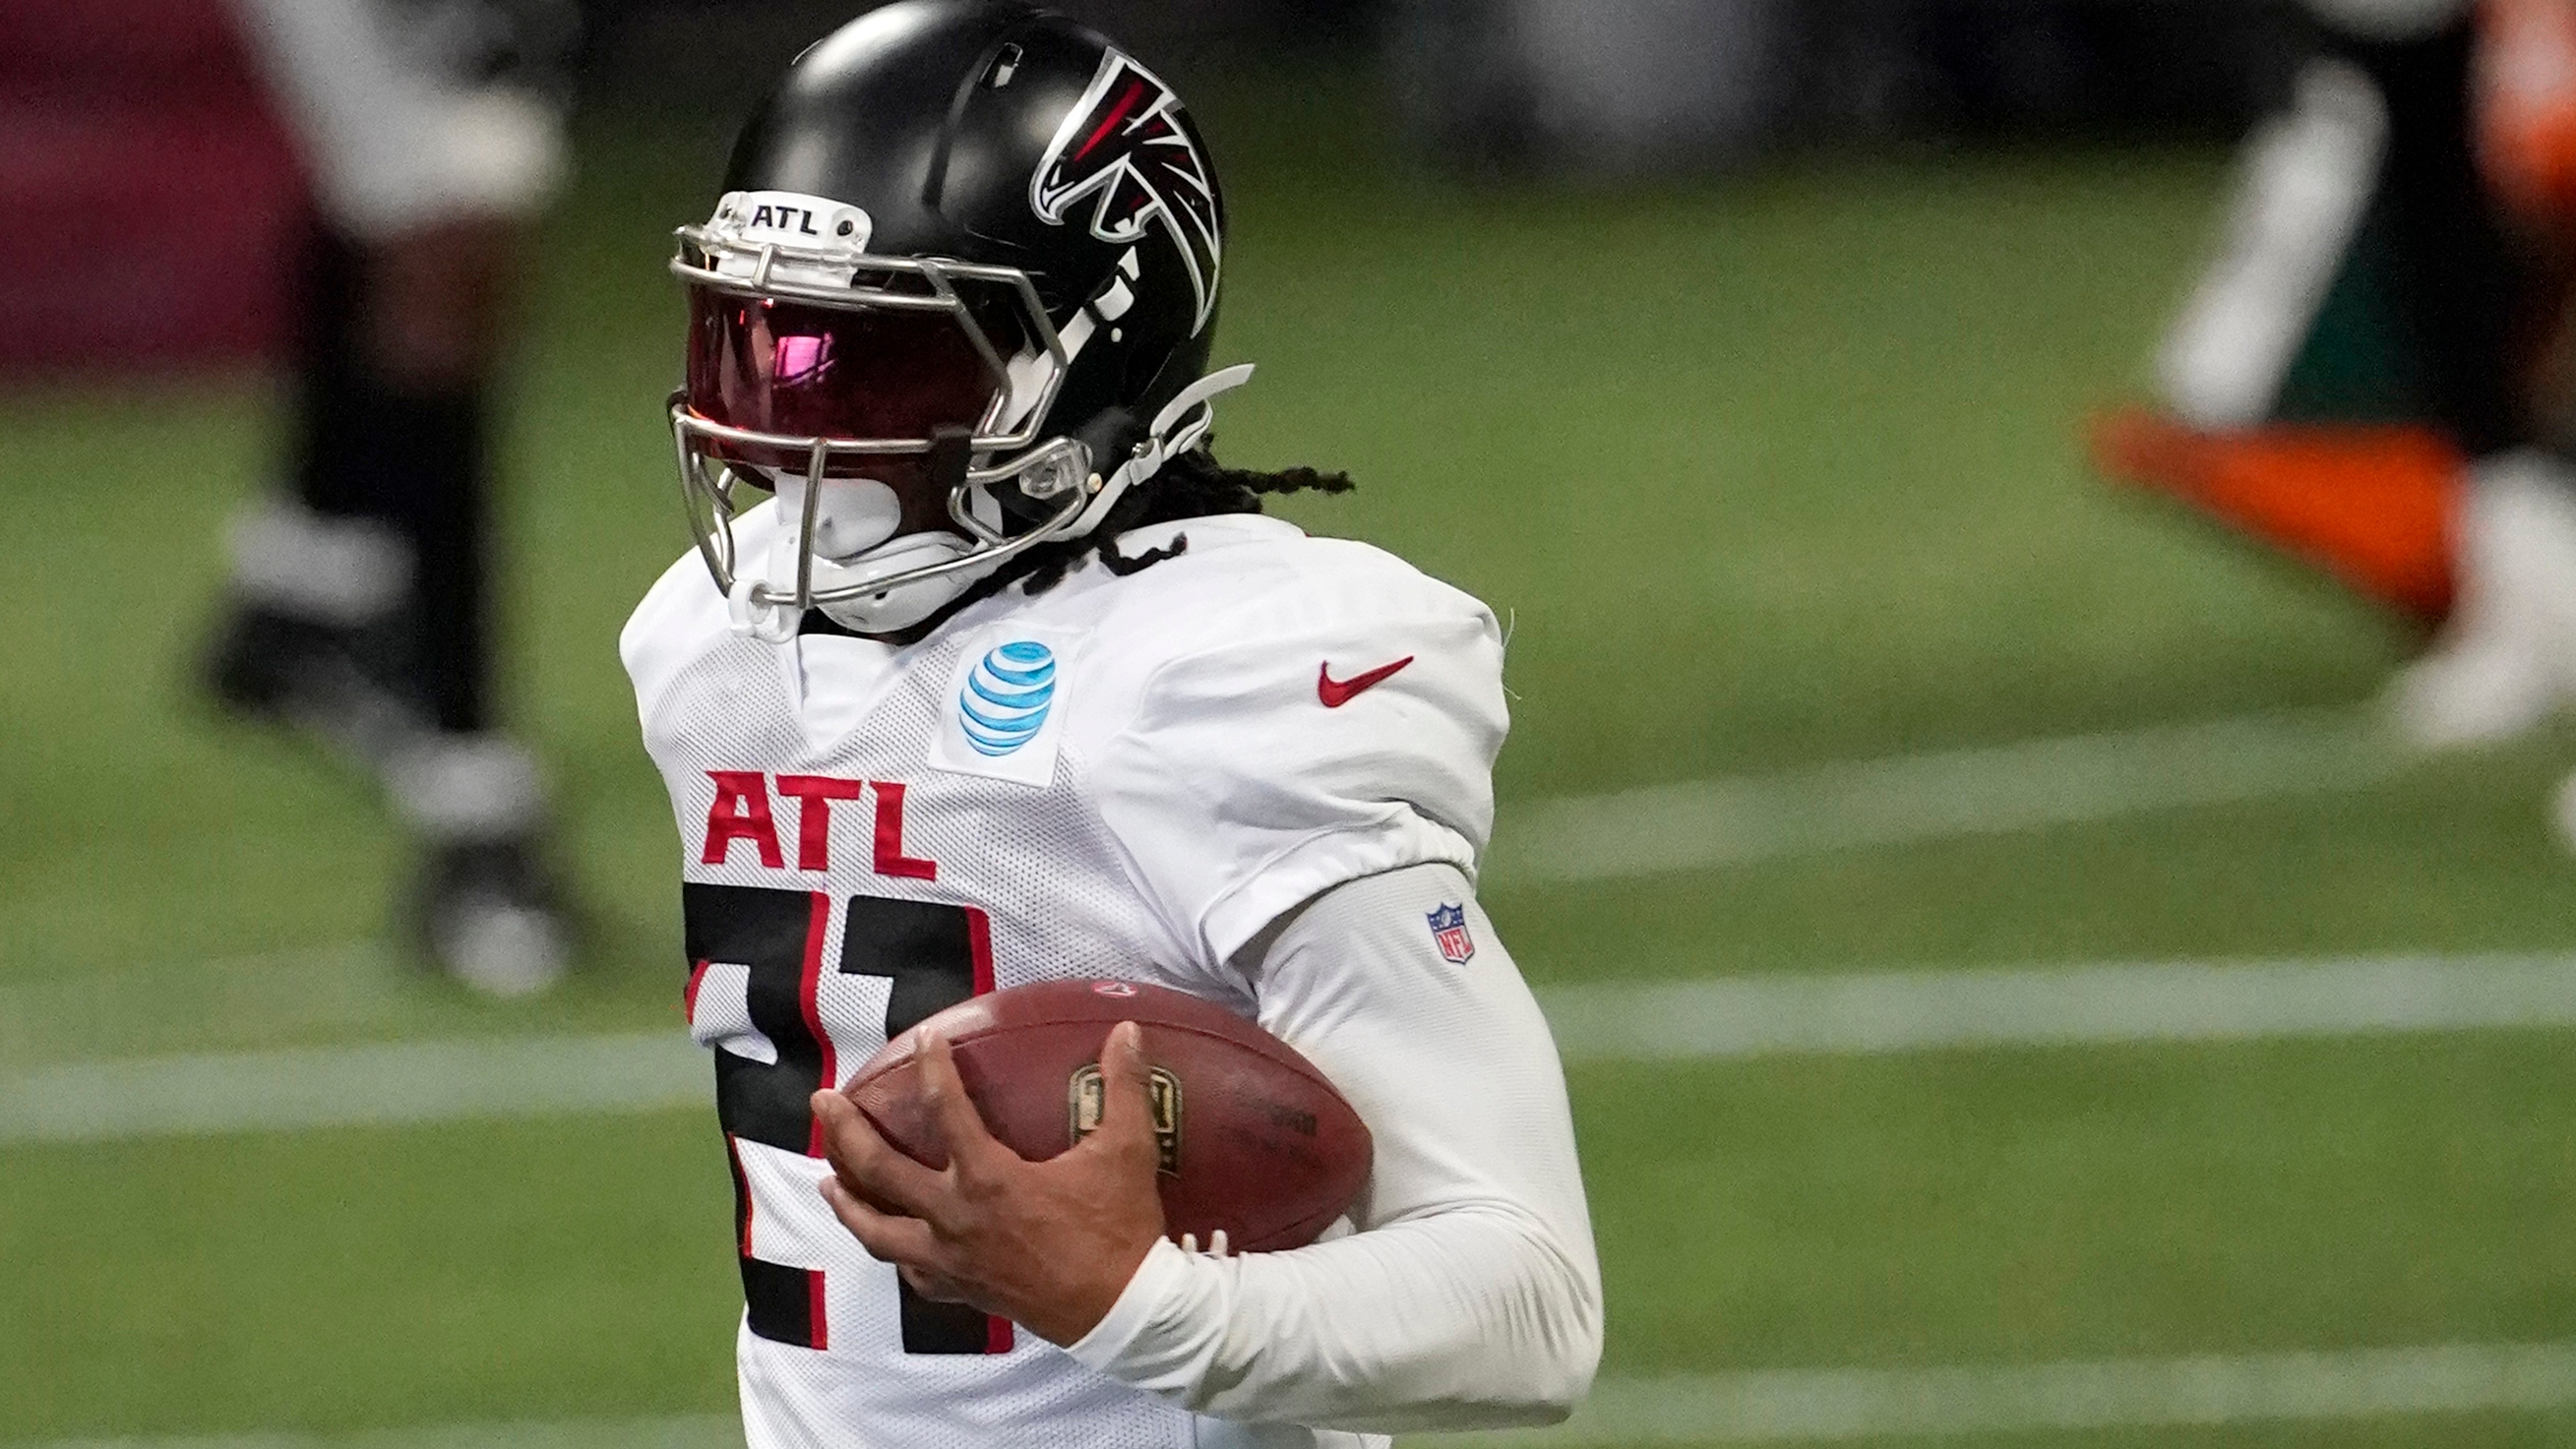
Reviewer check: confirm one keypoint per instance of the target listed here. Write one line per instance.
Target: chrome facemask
(763, 247)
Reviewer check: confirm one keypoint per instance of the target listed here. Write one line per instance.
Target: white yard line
(1715, 1019)
(1836, 1405)
(1798, 1406)
(1699, 824)
(355, 1086)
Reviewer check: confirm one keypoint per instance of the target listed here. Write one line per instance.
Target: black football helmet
(967, 249)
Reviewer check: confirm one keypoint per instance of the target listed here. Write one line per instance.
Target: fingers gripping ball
(1252, 1140)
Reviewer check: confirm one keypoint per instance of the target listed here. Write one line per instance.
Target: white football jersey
(1120, 777)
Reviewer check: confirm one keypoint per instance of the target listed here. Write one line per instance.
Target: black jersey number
(933, 956)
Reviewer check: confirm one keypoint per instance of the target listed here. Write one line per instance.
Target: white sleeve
(1470, 1297)
(1248, 781)
(392, 148)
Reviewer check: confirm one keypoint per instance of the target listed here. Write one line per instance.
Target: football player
(2373, 375)
(986, 672)
(358, 604)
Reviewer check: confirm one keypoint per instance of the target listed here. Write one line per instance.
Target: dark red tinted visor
(846, 373)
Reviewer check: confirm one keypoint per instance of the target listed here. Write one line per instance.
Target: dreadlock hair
(1192, 485)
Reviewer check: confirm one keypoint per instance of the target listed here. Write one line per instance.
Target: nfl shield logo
(1449, 928)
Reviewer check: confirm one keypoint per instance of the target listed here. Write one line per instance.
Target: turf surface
(1767, 471)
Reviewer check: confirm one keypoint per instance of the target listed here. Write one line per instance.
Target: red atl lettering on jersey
(890, 857)
(814, 795)
(742, 812)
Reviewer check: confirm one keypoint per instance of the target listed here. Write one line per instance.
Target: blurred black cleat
(318, 635)
(487, 909)
(489, 914)
(341, 685)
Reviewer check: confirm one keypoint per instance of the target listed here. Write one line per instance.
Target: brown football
(1255, 1141)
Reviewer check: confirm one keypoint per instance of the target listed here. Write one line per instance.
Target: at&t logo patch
(1005, 701)
(1005, 706)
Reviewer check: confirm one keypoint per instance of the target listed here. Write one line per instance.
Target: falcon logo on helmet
(1124, 141)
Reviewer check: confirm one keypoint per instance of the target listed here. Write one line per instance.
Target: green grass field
(1769, 471)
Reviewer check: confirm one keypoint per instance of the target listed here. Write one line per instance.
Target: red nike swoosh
(1338, 692)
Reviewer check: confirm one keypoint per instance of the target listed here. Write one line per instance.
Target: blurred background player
(2372, 375)
(359, 606)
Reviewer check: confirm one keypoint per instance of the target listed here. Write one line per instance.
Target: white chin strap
(907, 604)
(1179, 427)
(900, 607)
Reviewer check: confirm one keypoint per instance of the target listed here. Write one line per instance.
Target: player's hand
(1049, 1244)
